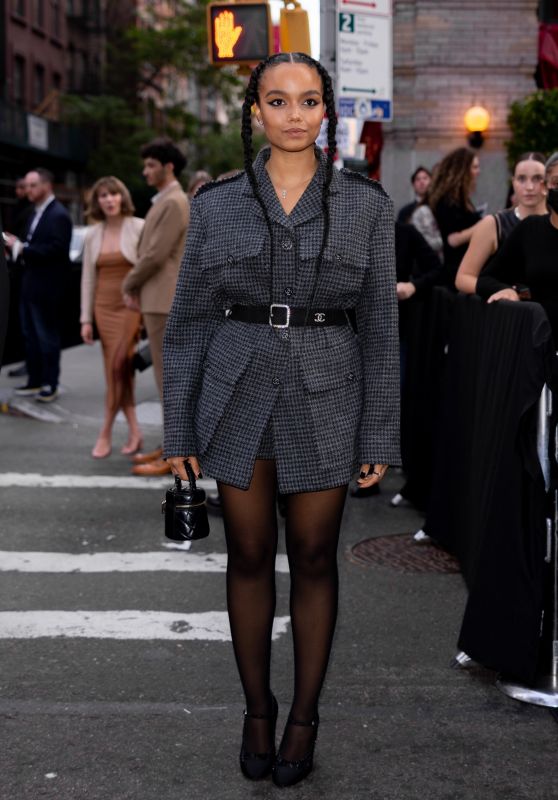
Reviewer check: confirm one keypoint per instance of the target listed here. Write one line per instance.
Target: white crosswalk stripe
(139, 624)
(207, 626)
(39, 481)
(30, 561)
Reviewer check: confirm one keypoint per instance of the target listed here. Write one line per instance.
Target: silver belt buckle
(288, 315)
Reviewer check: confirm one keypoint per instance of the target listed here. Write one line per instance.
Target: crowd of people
(129, 272)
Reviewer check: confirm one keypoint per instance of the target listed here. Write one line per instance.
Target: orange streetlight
(477, 120)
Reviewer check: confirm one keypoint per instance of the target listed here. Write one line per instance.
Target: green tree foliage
(117, 133)
(221, 150)
(534, 124)
(145, 57)
(178, 41)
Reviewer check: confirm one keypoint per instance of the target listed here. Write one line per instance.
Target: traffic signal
(294, 30)
(239, 32)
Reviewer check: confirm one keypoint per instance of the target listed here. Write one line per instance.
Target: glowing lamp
(477, 120)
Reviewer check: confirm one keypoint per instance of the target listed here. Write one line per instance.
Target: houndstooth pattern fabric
(330, 398)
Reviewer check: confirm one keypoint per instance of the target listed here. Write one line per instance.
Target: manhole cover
(402, 553)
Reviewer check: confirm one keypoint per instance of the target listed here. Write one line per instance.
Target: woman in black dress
(526, 266)
(492, 231)
(449, 197)
(267, 386)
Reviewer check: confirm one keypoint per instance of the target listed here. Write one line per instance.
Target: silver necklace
(284, 192)
(516, 212)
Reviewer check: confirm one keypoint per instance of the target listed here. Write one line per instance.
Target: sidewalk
(82, 390)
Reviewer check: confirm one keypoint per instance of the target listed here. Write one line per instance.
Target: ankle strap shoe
(287, 773)
(256, 766)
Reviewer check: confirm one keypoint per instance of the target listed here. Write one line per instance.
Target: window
(38, 84)
(548, 11)
(18, 82)
(55, 24)
(57, 82)
(39, 13)
(18, 7)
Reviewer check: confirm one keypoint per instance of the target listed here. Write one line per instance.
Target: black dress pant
(40, 326)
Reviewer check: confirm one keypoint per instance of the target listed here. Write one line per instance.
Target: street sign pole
(328, 28)
(364, 59)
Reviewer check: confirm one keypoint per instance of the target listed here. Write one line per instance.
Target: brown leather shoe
(145, 458)
(157, 467)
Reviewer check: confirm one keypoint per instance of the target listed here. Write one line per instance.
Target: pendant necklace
(284, 192)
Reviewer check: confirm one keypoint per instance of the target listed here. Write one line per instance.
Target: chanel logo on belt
(319, 316)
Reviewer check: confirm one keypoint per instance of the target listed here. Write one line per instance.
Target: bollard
(544, 692)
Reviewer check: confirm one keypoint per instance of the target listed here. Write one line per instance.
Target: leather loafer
(145, 458)
(153, 468)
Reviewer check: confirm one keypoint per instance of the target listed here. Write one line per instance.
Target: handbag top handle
(191, 477)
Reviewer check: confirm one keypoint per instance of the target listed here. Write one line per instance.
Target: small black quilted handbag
(185, 510)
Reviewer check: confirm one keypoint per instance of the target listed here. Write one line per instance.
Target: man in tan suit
(151, 284)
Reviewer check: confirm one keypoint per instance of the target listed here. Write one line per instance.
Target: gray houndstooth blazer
(330, 398)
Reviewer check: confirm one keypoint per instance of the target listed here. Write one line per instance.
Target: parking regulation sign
(365, 59)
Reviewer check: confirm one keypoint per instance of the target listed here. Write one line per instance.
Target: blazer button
(351, 376)
(230, 259)
(287, 244)
(288, 291)
(338, 258)
(276, 381)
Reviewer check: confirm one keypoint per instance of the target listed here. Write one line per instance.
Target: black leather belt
(281, 316)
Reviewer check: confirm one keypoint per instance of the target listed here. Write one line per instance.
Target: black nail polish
(363, 474)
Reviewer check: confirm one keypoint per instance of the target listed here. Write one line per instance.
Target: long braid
(329, 101)
(250, 98)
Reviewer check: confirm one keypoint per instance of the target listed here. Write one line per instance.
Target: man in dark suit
(44, 257)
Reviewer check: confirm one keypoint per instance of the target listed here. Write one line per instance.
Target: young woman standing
(267, 386)
(110, 251)
(449, 197)
(492, 231)
(525, 266)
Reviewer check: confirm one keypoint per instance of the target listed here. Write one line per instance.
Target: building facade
(46, 48)
(448, 56)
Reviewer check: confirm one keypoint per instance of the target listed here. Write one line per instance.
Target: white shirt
(18, 246)
(39, 211)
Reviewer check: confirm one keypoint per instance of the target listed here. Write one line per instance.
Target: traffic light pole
(328, 20)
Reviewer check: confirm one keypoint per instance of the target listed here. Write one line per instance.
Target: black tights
(312, 527)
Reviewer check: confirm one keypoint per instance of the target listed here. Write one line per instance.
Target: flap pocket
(331, 369)
(227, 359)
(231, 251)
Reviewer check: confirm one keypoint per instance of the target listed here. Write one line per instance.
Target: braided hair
(250, 98)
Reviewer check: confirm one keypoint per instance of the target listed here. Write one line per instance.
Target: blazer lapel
(267, 192)
(126, 241)
(96, 240)
(41, 223)
(310, 204)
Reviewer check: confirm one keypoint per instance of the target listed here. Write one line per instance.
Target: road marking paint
(36, 480)
(33, 561)
(133, 624)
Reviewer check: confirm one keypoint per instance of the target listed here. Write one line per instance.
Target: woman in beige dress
(110, 251)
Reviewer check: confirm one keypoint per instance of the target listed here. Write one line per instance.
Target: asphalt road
(159, 718)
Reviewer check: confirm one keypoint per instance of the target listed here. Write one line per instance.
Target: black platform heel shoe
(287, 773)
(256, 766)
